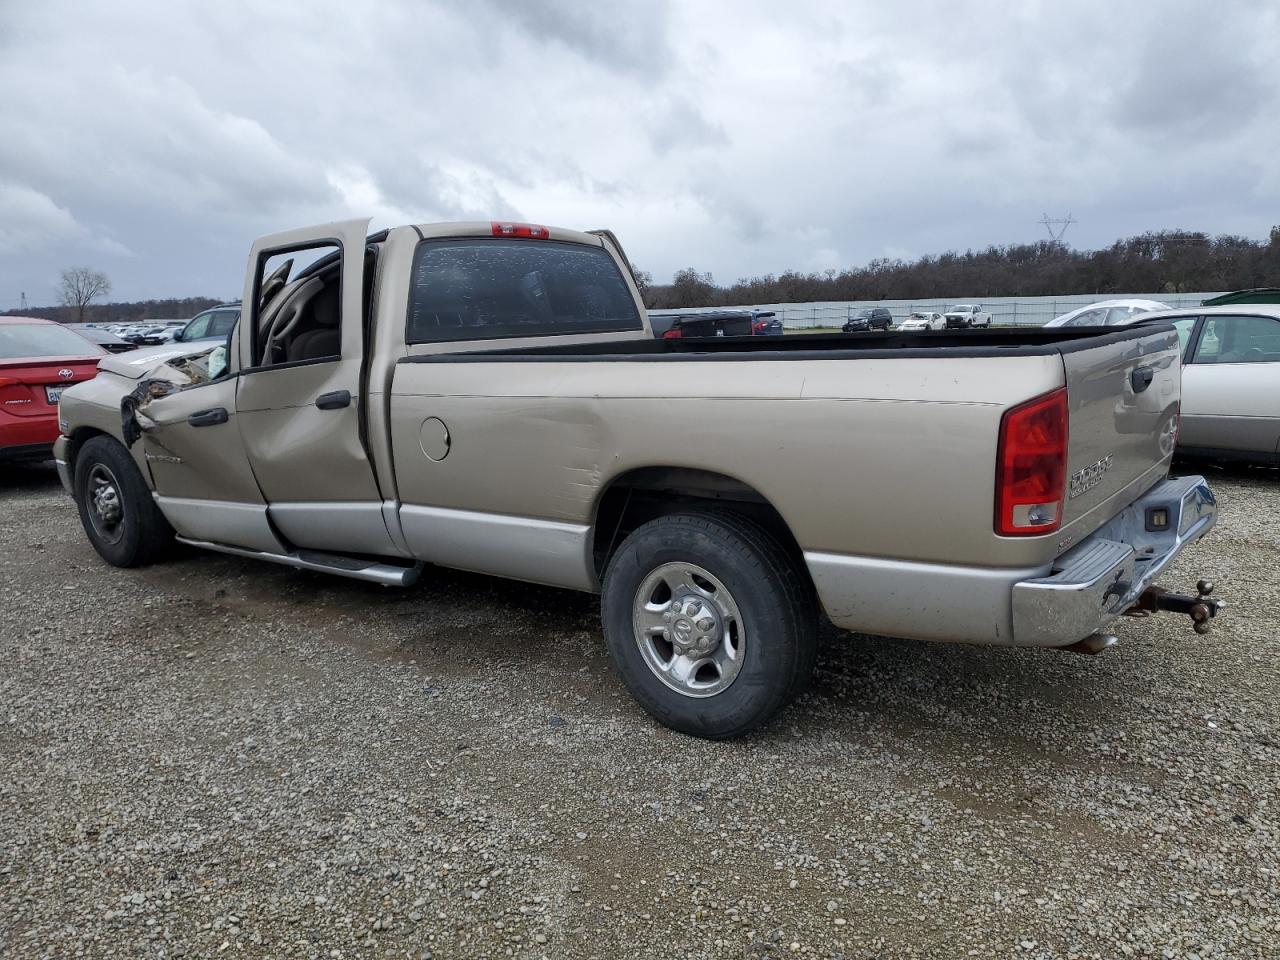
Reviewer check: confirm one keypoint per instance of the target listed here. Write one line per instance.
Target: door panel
(191, 462)
(203, 481)
(1232, 406)
(300, 452)
(308, 457)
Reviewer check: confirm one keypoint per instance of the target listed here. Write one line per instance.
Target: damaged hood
(148, 361)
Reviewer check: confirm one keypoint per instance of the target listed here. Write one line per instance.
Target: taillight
(673, 334)
(1031, 466)
(529, 230)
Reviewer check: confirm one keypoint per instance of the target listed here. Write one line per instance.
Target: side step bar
(357, 568)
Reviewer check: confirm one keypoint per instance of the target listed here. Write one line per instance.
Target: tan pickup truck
(488, 396)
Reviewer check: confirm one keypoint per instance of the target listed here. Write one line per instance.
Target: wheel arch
(76, 440)
(640, 494)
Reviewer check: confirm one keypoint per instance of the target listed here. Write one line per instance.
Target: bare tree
(81, 286)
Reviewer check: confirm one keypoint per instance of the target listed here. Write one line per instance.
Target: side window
(481, 289)
(222, 323)
(1090, 318)
(297, 316)
(1185, 327)
(198, 327)
(1239, 339)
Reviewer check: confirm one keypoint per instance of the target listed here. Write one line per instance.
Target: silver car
(1230, 380)
(1108, 313)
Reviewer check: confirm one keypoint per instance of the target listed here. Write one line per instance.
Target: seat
(324, 339)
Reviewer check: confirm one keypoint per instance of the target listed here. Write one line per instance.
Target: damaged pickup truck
(488, 396)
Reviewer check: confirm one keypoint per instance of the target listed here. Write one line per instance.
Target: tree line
(1165, 261)
(1157, 262)
(173, 308)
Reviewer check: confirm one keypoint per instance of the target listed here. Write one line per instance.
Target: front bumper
(1103, 576)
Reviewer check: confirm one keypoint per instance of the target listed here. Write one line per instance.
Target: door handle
(208, 418)
(1141, 378)
(335, 400)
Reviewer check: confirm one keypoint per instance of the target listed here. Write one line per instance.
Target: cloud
(741, 137)
(30, 221)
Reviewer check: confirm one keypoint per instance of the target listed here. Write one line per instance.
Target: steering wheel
(288, 315)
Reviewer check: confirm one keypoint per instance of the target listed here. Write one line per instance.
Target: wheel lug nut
(706, 623)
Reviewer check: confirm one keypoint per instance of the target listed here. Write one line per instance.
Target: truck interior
(299, 318)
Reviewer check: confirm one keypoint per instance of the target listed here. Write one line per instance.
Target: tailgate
(1123, 397)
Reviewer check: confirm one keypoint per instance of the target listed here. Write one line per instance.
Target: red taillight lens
(1031, 466)
(673, 334)
(529, 230)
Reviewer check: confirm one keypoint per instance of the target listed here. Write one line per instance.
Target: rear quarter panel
(879, 457)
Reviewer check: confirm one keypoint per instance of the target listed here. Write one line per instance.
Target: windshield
(862, 313)
(21, 340)
(962, 308)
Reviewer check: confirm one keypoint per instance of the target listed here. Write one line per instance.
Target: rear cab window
(498, 288)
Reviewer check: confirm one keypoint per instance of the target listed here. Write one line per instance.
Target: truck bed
(1033, 341)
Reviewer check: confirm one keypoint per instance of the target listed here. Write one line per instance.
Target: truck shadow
(18, 478)
(467, 625)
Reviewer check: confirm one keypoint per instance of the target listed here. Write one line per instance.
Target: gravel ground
(216, 757)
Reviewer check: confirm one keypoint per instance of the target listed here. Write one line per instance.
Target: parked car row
(678, 325)
(146, 333)
(212, 324)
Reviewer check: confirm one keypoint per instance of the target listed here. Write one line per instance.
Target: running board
(357, 568)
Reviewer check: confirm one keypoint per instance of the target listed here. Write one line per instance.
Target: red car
(38, 360)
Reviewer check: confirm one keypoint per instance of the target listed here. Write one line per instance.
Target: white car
(1230, 408)
(923, 320)
(1107, 313)
(964, 316)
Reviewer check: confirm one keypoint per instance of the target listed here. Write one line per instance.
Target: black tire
(772, 593)
(141, 533)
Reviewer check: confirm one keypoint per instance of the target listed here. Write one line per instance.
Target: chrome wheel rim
(106, 509)
(689, 629)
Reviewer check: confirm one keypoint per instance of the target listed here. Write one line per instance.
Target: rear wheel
(709, 621)
(116, 509)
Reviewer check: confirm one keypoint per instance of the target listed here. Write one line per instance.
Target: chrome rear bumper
(1102, 577)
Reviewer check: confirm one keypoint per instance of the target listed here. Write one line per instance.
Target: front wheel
(709, 622)
(116, 509)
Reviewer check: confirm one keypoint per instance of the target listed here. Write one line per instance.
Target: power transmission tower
(1057, 226)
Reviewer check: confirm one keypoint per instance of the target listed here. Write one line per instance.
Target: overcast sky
(155, 141)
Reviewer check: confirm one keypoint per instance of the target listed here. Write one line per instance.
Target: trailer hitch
(1200, 608)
